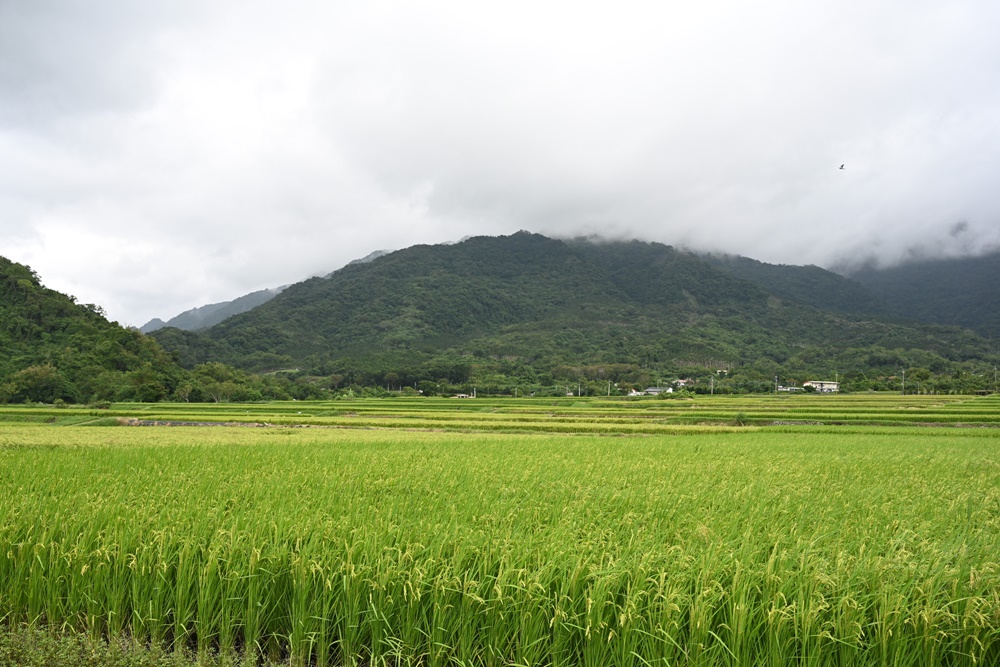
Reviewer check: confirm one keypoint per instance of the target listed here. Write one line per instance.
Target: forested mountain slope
(810, 285)
(530, 300)
(963, 292)
(54, 348)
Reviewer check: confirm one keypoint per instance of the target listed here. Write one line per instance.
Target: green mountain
(962, 292)
(534, 307)
(53, 349)
(56, 349)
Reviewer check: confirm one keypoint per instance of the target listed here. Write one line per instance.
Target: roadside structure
(823, 386)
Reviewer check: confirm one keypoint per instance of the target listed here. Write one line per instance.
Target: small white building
(823, 386)
(656, 391)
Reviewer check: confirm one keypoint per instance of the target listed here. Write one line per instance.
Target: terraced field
(569, 415)
(805, 530)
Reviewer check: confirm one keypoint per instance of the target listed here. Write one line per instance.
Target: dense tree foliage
(53, 350)
(56, 349)
(810, 285)
(963, 292)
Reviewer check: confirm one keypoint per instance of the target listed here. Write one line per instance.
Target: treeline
(53, 349)
(872, 369)
(210, 382)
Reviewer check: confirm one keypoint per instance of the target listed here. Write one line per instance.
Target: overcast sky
(156, 156)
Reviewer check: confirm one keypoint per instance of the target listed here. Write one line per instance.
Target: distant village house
(652, 391)
(823, 386)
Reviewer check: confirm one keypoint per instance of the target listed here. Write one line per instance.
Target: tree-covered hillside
(537, 308)
(54, 348)
(506, 296)
(962, 292)
(810, 285)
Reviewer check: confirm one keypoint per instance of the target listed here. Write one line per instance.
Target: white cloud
(157, 156)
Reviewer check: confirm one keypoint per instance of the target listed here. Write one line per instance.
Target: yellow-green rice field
(434, 532)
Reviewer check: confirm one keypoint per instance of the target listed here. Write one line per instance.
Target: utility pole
(712, 382)
(904, 382)
(776, 383)
(609, 388)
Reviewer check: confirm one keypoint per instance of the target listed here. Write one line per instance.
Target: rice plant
(351, 547)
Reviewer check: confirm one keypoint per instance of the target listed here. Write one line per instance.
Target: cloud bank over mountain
(162, 155)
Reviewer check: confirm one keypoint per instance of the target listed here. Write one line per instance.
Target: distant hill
(963, 292)
(213, 313)
(56, 349)
(533, 303)
(370, 257)
(153, 325)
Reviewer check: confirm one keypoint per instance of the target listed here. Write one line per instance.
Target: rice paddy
(567, 415)
(817, 530)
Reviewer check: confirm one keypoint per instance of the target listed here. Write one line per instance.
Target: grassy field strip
(788, 546)
(707, 417)
(636, 430)
(487, 421)
(551, 416)
(564, 424)
(554, 426)
(894, 401)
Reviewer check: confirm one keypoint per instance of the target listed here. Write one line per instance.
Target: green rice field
(802, 530)
(565, 415)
